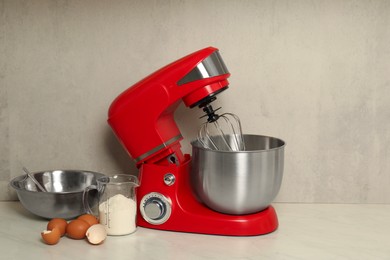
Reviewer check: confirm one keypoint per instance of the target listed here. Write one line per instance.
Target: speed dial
(155, 208)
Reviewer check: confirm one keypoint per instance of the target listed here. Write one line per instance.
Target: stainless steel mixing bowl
(63, 198)
(238, 182)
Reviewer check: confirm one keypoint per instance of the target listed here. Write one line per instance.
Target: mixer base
(256, 224)
(187, 214)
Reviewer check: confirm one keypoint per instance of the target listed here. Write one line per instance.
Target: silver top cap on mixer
(212, 66)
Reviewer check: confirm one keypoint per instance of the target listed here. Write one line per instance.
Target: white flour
(118, 215)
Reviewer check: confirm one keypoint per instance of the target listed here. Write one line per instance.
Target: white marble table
(306, 231)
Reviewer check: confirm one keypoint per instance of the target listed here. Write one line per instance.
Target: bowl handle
(87, 207)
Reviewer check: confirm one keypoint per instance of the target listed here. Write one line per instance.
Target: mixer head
(152, 136)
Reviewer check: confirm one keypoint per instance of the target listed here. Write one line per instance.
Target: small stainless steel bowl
(63, 198)
(238, 182)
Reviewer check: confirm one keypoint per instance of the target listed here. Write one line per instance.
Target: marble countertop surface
(306, 231)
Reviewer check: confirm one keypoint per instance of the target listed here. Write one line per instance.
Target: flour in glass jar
(118, 215)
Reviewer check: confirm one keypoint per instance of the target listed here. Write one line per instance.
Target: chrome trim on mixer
(212, 66)
(161, 146)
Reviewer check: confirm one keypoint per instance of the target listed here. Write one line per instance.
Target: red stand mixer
(142, 118)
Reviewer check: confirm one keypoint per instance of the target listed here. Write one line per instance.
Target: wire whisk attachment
(221, 132)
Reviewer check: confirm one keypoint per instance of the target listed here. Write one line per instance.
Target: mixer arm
(142, 117)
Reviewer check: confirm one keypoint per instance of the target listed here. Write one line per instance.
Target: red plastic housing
(142, 116)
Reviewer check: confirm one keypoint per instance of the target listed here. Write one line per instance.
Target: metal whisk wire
(236, 130)
(229, 138)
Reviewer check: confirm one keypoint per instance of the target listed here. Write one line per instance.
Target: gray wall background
(314, 73)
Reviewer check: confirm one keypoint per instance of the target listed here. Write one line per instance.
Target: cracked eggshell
(96, 234)
(51, 237)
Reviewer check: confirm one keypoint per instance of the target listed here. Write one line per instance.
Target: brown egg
(76, 229)
(90, 219)
(59, 223)
(51, 237)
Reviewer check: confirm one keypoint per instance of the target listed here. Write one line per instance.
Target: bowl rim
(16, 179)
(195, 144)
